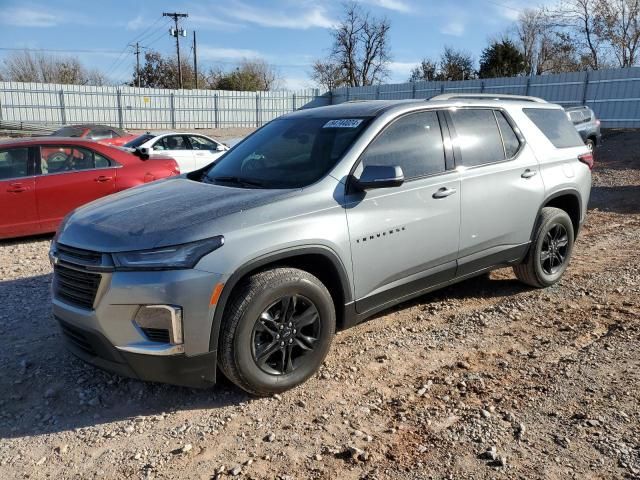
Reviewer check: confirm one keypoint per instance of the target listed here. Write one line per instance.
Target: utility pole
(177, 32)
(137, 53)
(195, 61)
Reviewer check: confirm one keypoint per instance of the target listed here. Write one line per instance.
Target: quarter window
(413, 142)
(478, 136)
(14, 163)
(555, 125)
(509, 137)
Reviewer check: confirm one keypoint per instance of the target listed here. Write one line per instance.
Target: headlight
(167, 258)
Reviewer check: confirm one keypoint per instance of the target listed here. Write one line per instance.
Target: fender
(277, 256)
(565, 191)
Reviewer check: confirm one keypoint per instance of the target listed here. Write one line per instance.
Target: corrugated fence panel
(147, 108)
(613, 94)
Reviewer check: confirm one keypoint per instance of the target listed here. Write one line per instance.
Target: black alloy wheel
(284, 334)
(554, 249)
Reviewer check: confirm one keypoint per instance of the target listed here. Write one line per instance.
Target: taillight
(587, 159)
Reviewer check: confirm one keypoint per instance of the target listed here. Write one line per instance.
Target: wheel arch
(568, 200)
(318, 260)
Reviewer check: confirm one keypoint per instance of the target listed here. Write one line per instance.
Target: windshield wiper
(238, 181)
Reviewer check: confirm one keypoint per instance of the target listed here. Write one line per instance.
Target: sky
(289, 34)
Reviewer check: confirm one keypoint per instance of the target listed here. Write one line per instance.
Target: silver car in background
(588, 126)
(316, 221)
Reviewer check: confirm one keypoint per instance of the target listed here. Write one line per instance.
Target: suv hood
(167, 212)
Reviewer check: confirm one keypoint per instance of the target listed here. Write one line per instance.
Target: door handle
(17, 188)
(444, 192)
(103, 178)
(528, 173)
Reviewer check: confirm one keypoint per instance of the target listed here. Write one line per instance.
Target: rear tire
(550, 249)
(277, 331)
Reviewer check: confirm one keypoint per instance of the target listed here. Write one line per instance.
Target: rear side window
(413, 142)
(13, 163)
(555, 125)
(509, 137)
(478, 136)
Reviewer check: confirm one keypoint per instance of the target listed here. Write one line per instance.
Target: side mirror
(221, 148)
(379, 176)
(142, 152)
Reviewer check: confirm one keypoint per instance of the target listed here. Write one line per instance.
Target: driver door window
(201, 143)
(61, 159)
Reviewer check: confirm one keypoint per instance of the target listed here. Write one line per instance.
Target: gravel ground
(485, 379)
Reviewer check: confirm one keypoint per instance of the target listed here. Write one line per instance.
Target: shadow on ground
(70, 394)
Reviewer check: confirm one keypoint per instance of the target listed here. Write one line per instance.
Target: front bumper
(107, 336)
(198, 371)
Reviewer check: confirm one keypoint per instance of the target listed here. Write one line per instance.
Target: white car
(191, 150)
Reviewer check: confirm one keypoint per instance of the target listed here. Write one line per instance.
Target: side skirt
(474, 265)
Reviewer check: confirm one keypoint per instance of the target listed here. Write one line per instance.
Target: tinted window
(59, 159)
(136, 142)
(100, 133)
(13, 163)
(287, 153)
(201, 143)
(413, 142)
(69, 132)
(556, 126)
(478, 136)
(509, 137)
(172, 142)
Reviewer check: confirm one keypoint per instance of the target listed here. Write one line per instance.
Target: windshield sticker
(343, 123)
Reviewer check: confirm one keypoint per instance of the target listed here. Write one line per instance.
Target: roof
(28, 141)
(374, 108)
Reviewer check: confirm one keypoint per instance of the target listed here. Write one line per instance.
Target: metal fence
(146, 108)
(613, 94)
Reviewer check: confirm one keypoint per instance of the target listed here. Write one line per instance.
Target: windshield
(287, 153)
(68, 132)
(136, 142)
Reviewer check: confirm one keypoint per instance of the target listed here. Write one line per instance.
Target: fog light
(161, 323)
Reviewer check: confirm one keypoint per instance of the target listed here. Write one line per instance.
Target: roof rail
(487, 96)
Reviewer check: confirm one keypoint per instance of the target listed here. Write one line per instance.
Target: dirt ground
(485, 379)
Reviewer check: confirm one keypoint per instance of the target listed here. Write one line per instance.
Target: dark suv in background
(588, 126)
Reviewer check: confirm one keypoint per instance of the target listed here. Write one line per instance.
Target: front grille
(160, 335)
(77, 255)
(75, 287)
(77, 338)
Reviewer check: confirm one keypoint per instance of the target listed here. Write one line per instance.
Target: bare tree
(38, 67)
(327, 74)
(426, 71)
(579, 19)
(456, 65)
(361, 47)
(618, 22)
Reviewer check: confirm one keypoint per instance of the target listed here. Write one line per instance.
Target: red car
(98, 133)
(43, 179)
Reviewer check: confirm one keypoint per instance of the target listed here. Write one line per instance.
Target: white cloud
(400, 71)
(136, 23)
(216, 53)
(454, 28)
(396, 5)
(310, 17)
(29, 17)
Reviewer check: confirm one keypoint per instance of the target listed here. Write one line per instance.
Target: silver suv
(316, 221)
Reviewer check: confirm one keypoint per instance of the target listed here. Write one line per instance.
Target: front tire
(277, 331)
(550, 250)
